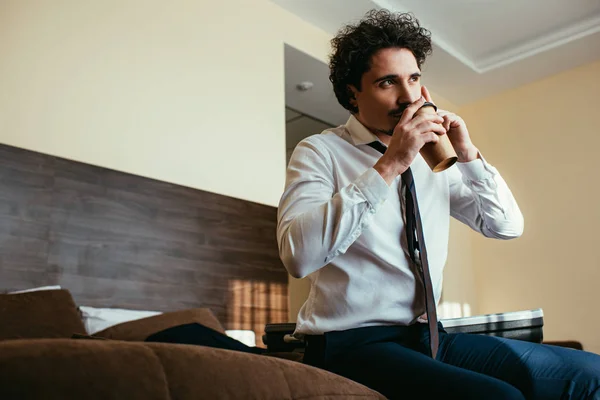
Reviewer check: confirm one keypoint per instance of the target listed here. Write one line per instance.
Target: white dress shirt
(340, 224)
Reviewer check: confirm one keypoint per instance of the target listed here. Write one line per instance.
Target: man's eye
(414, 78)
(387, 82)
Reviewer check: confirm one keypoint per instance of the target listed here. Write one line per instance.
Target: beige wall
(544, 139)
(185, 91)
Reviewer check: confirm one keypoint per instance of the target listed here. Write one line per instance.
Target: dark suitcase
(520, 325)
(278, 337)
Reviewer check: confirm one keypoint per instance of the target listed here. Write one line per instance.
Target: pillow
(245, 336)
(36, 289)
(97, 319)
(39, 314)
(140, 329)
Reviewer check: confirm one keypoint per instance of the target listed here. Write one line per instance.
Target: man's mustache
(398, 111)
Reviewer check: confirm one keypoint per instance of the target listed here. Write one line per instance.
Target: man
(342, 222)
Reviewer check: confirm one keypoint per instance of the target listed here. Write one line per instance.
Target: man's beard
(386, 132)
(397, 113)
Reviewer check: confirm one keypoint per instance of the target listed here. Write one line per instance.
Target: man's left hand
(457, 132)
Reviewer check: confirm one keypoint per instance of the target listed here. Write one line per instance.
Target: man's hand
(410, 135)
(457, 132)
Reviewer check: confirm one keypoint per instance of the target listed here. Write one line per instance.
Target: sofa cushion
(140, 329)
(235, 375)
(98, 369)
(64, 369)
(39, 314)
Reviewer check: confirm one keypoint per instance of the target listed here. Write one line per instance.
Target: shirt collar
(358, 132)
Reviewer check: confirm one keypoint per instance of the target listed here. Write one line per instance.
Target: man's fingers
(446, 123)
(410, 111)
(426, 126)
(425, 93)
(430, 137)
(428, 117)
(438, 129)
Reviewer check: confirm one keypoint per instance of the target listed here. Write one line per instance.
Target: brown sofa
(40, 360)
(97, 369)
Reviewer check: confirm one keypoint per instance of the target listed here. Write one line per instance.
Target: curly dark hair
(354, 45)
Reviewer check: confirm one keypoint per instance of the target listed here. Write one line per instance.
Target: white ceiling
(481, 47)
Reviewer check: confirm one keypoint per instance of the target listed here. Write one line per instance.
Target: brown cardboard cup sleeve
(441, 155)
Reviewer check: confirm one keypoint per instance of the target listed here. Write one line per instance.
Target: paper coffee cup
(441, 155)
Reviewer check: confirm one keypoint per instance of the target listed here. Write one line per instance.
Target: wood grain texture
(119, 240)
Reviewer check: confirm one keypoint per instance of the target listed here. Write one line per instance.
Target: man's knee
(586, 385)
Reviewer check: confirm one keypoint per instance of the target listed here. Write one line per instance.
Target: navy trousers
(394, 361)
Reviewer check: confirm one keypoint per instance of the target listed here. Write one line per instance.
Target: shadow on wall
(299, 126)
(252, 304)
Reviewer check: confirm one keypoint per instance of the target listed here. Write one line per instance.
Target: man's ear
(352, 93)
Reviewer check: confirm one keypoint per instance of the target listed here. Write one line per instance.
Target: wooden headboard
(119, 240)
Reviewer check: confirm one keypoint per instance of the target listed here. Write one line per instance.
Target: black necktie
(417, 249)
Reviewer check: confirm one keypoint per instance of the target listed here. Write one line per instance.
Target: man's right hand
(410, 135)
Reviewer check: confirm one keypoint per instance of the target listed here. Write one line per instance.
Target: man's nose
(407, 96)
